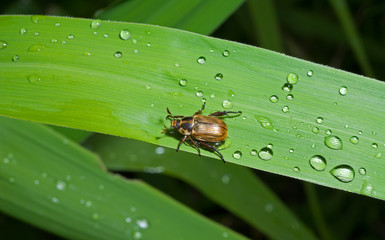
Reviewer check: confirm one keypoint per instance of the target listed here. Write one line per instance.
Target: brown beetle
(201, 130)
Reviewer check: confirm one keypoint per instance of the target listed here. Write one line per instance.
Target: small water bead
(53, 40)
(265, 154)
(118, 54)
(36, 34)
(148, 86)
(287, 87)
(343, 90)
(367, 188)
(290, 97)
(23, 31)
(61, 185)
(55, 200)
(362, 171)
(3, 44)
(201, 60)
(15, 58)
(95, 216)
(274, 99)
(125, 34)
(70, 36)
(343, 173)
(142, 223)
(183, 82)
(360, 132)
(270, 145)
(315, 130)
(296, 169)
(318, 162)
(227, 104)
(292, 78)
(37, 18)
(319, 120)
(265, 122)
(291, 150)
(199, 94)
(309, 73)
(36, 48)
(254, 152)
(95, 24)
(57, 24)
(285, 109)
(106, 35)
(328, 131)
(374, 145)
(177, 65)
(33, 78)
(218, 76)
(378, 155)
(231, 93)
(212, 96)
(226, 53)
(333, 142)
(148, 44)
(237, 155)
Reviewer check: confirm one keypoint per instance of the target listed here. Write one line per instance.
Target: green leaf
(70, 74)
(52, 183)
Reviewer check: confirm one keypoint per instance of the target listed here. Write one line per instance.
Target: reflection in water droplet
(95, 24)
(318, 162)
(183, 82)
(118, 54)
(292, 78)
(23, 31)
(374, 145)
(287, 87)
(289, 97)
(201, 60)
(344, 173)
(343, 90)
(328, 131)
(61, 185)
(237, 155)
(315, 130)
(362, 171)
(254, 152)
(218, 76)
(142, 223)
(354, 140)
(199, 94)
(226, 53)
(285, 109)
(333, 142)
(319, 120)
(310, 73)
(274, 99)
(227, 104)
(70, 36)
(3, 44)
(125, 34)
(265, 154)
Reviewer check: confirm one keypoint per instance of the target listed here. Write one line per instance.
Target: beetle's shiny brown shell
(209, 129)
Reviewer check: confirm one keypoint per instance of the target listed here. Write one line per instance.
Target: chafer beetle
(201, 130)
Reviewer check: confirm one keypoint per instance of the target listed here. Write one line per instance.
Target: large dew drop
(333, 142)
(125, 34)
(318, 162)
(343, 173)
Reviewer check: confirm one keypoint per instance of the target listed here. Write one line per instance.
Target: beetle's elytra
(201, 130)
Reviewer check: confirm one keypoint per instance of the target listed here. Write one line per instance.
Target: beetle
(201, 130)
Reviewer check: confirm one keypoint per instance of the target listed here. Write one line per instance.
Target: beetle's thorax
(185, 125)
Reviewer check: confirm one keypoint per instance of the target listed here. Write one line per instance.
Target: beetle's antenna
(164, 130)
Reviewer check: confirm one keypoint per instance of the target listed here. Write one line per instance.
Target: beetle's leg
(213, 148)
(195, 144)
(218, 114)
(181, 141)
(201, 110)
(171, 116)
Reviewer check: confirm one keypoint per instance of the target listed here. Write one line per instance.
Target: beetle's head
(175, 123)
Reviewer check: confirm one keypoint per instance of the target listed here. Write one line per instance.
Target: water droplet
(36, 34)
(274, 99)
(374, 145)
(265, 154)
(53, 40)
(88, 204)
(201, 60)
(344, 173)
(254, 152)
(203, 100)
(33, 78)
(148, 86)
(227, 104)
(319, 120)
(55, 200)
(366, 188)
(265, 122)
(3, 44)
(362, 171)
(237, 155)
(378, 155)
(95, 24)
(315, 130)
(296, 169)
(37, 18)
(343, 90)
(285, 109)
(199, 94)
(159, 150)
(136, 234)
(212, 96)
(70, 36)
(127, 219)
(36, 182)
(23, 31)
(287, 87)
(61, 185)
(95, 216)
(142, 223)
(226, 178)
(218, 76)
(291, 150)
(360, 132)
(328, 131)
(36, 48)
(290, 97)
(309, 73)
(148, 44)
(318, 162)
(125, 34)
(118, 54)
(183, 82)
(226, 53)
(333, 142)
(15, 58)
(292, 78)
(106, 35)
(270, 145)
(136, 50)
